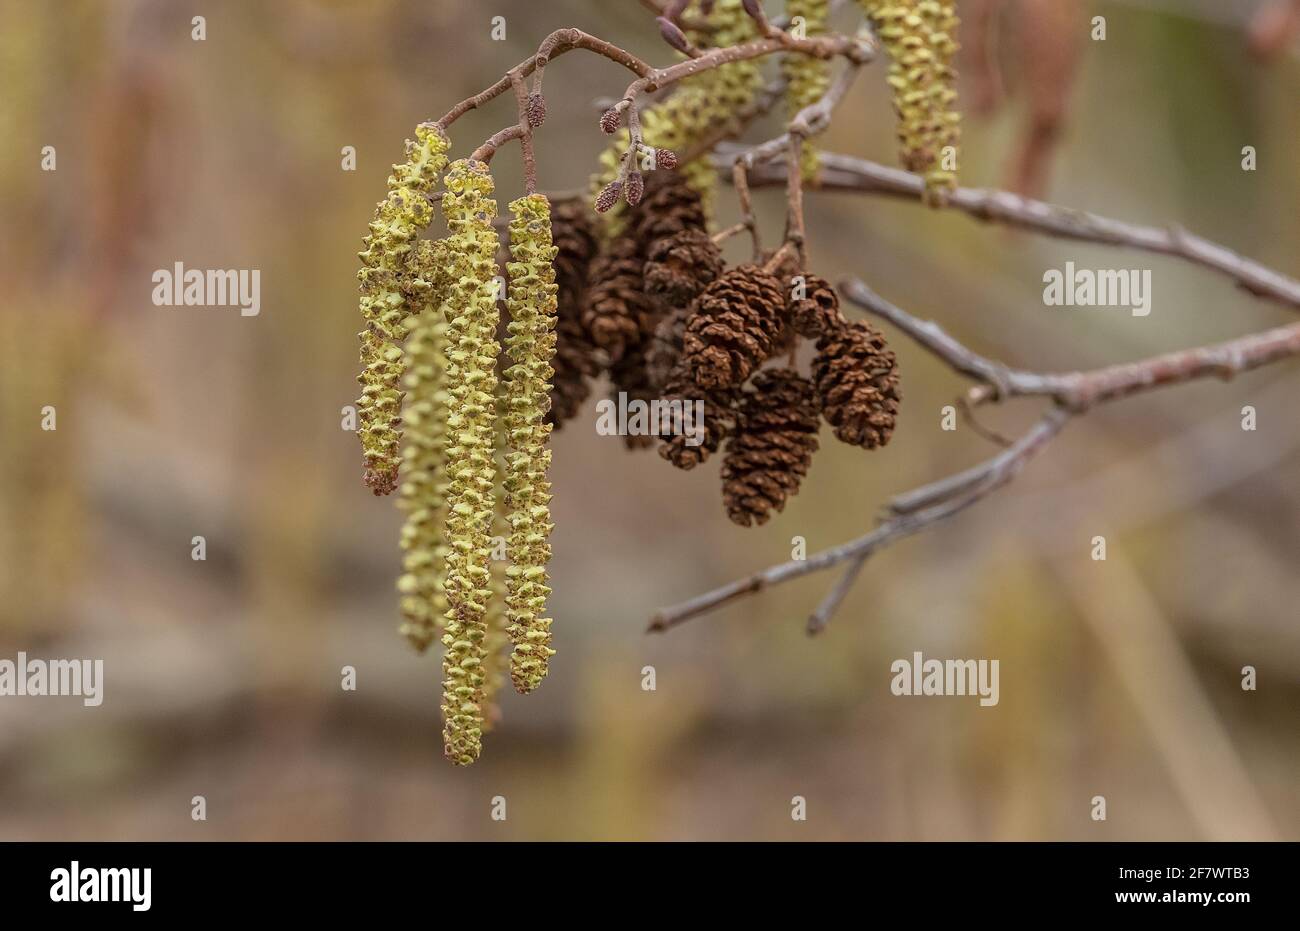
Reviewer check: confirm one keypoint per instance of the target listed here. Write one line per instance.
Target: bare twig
(887, 532)
(843, 173)
(557, 43)
(1081, 390)
(856, 49)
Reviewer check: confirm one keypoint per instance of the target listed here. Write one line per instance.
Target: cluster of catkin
(468, 446)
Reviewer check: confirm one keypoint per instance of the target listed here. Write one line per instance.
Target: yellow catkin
(398, 220)
(531, 300)
(470, 456)
(697, 110)
(920, 36)
(424, 480)
(807, 78)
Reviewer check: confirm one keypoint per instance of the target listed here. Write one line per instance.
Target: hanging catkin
(807, 77)
(471, 379)
(920, 36)
(424, 480)
(398, 220)
(530, 345)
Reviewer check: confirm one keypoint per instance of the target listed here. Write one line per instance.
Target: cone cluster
(668, 321)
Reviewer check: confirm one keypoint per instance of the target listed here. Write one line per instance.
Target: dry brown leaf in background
(1274, 27)
(1051, 34)
(980, 34)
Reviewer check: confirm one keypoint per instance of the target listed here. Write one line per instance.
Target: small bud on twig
(635, 188)
(536, 110)
(674, 36)
(609, 121)
(755, 11)
(609, 196)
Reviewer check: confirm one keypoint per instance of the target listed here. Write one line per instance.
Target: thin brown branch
(856, 49)
(843, 173)
(794, 225)
(554, 45)
(525, 135)
(886, 533)
(1082, 390)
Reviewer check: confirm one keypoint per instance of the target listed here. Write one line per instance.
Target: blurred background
(1119, 678)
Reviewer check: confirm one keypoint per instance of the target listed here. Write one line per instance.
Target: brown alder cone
(668, 206)
(629, 377)
(717, 417)
(772, 447)
(737, 323)
(857, 384)
(617, 304)
(575, 362)
(665, 349)
(817, 312)
(680, 266)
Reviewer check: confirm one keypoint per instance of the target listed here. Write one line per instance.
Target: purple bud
(635, 189)
(536, 110)
(609, 196)
(673, 35)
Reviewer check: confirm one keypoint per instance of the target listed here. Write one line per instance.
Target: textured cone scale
(628, 376)
(575, 361)
(665, 350)
(818, 311)
(857, 383)
(716, 415)
(680, 266)
(737, 323)
(574, 233)
(668, 206)
(772, 448)
(575, 366)
(616, 301)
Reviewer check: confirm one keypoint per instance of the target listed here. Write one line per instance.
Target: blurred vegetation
(223, 675)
